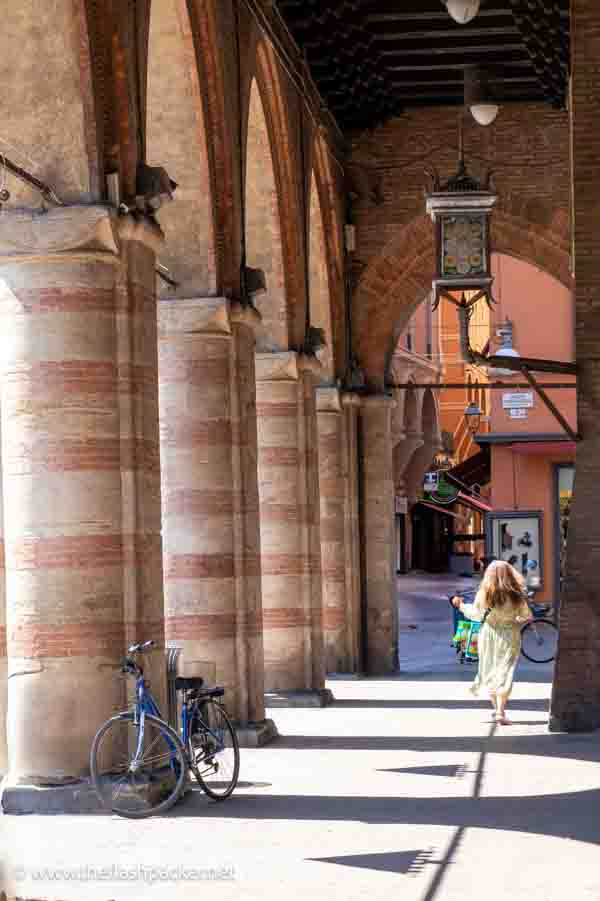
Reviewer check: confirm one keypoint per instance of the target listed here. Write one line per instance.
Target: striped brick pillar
(137, 358)
(338, 551)
(3, 660)
(289, 529)
(210, 500)
(350, 470)
(379, 554)
(575, 704)
(61, 452)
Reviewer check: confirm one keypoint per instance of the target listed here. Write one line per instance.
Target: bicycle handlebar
(141, 647)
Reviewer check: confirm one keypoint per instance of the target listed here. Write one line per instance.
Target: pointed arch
(319, 281)
(332, 221)
(176, 139)
(400, 277)
(286, 170)
(264, 246)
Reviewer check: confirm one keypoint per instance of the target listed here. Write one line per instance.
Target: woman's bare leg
(502, 700)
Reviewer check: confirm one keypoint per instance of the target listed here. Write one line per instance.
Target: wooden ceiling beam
(460, 51)
(453, 79)
(448, 34)
(421, 15)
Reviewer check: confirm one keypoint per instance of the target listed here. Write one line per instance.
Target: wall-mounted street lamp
(473, 416)
(462, 11)
(506, 349)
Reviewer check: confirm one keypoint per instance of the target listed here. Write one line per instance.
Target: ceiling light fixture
(462, 11)
(479, 96)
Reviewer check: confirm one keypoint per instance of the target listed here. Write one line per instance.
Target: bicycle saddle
(187, 684)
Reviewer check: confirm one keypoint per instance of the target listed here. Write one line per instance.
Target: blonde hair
(501, 584)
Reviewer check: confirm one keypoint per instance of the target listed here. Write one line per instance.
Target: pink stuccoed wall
(523, 478)
(542, 313)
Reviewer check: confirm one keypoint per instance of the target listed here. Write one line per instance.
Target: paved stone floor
(403, 789)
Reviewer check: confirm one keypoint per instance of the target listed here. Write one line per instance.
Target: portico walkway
(402, 789)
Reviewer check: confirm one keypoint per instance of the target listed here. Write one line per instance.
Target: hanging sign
(517, 400)
(446, 492)
(430, 482)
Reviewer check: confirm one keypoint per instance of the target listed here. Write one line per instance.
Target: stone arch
(429, 445)
(176, 139)
(411, 411)
(279, 145)
(264, 247)
(319, 282)
(400, 277)
(408, 435)
(332, 221)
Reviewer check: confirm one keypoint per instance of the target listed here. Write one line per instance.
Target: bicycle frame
(145, 704)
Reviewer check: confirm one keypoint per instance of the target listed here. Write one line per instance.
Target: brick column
(289, 524)
(61, 443)
(140, 447)
(339, 521)
(3, 660)
(575, 702)
(351, 405)
(210, 501)
(378, 512)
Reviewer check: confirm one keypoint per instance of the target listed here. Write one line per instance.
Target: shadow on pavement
(572, 815)
(533, 704)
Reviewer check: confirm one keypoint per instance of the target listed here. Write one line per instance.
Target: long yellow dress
(499, 644)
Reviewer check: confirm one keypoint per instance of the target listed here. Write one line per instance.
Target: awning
(475, 470)
(476, 503)
(439, 509)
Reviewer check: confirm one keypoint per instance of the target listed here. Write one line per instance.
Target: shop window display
(516, 538)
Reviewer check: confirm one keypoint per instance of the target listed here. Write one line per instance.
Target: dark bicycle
(140, 765)
(539, 637)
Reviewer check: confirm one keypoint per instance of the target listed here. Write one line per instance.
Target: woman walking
(501, 606)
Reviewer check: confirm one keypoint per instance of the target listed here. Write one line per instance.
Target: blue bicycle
(140, 765)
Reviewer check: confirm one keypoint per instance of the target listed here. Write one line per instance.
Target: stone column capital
(378, 401)
(204, 316)
(141, 229)
(329, 400)
(277, 367)
(286, 365)
(309, 364)
(351, 399)
(245, 314)
(34, 237)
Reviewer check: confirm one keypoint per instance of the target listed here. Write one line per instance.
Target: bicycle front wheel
(539, 641)
(215, 752)
(137, 774)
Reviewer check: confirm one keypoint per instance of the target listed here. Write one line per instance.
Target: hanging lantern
(461, 210)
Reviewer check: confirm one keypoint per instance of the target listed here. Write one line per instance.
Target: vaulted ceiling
(371, 59)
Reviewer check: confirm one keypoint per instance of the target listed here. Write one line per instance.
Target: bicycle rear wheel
(137, 787)
(539, 641)
(215, 752)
